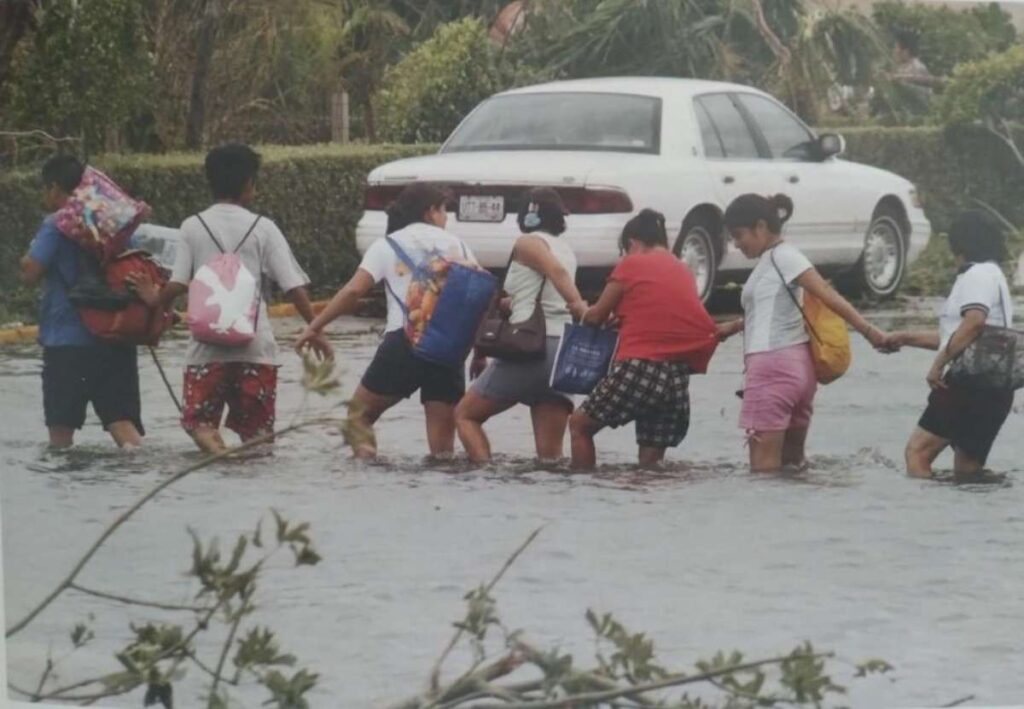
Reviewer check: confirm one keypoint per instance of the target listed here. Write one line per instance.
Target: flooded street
(850, 555)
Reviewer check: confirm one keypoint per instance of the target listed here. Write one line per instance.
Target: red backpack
(109, 309)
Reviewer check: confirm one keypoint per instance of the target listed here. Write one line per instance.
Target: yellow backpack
(830, 340)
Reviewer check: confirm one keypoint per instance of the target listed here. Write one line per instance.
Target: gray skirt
(522, 382)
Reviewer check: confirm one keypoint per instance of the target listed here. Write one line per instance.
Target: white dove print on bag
(224, 298)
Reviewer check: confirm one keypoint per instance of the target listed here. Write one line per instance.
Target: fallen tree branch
(672, 681)
(435, 674)
(135, 601)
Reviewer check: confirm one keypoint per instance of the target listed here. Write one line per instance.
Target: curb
(29, 333)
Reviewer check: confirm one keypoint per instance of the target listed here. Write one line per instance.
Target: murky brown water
(850, 555)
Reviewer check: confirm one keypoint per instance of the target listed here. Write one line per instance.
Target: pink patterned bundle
(99, 216)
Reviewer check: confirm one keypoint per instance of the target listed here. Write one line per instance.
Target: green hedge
(949, 166)
(315, 192)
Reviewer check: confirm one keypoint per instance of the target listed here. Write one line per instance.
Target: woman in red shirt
(665, 335)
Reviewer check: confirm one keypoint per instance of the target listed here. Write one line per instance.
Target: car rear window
(562, 121)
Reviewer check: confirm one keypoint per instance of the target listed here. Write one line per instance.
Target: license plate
(477, 208)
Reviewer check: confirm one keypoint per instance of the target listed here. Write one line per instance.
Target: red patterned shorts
(249, 390)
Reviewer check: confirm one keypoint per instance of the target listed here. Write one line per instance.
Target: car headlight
(915, 198)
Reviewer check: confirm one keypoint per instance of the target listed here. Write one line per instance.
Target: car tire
(882, 265)
(698, 247)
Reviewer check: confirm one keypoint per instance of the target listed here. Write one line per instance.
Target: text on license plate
(477, 208)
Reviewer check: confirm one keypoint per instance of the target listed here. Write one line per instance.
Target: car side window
(709, 136)
(736, 140)
(785, 135)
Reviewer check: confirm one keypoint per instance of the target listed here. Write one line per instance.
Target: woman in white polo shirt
(968, 418)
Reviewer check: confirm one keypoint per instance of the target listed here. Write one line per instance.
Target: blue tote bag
(463, 300)
(584, 356)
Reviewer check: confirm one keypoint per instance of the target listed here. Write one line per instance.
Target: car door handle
(728, 179)
(793, 179)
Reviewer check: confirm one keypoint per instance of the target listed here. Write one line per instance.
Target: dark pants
(106, 375)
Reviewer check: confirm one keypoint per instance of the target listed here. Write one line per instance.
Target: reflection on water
(702, 555)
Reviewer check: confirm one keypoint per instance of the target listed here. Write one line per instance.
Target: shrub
(314, 193)
(989, 89)
(428, 92)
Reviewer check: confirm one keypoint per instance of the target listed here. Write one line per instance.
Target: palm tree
(370, 39)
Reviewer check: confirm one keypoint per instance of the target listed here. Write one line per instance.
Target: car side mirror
(830, 144)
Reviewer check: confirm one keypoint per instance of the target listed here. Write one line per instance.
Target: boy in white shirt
(242, 378)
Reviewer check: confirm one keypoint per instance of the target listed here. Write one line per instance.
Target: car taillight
(379, 197)
(595, 200)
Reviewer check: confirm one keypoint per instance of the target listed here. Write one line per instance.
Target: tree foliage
(948, 37)
(84, 71)
(425, 95)
(794, 48)
(990, 91)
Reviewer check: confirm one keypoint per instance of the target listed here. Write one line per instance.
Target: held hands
(578, 309)
(725, 330)
(315, 341)
(477, 366)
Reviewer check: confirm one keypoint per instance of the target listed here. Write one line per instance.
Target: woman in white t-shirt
(780, 383)
(966, 417)
(416, 224)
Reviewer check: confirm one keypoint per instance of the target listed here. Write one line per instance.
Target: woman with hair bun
(962, 414)
(780, 383)
(665, 334)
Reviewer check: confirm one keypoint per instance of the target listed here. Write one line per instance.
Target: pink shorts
(778, 391)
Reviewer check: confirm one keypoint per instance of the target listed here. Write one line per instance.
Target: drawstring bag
(444, 305)
(995, 360)
(224, 297)
(584, 356)
(830, 340)
(99, 216)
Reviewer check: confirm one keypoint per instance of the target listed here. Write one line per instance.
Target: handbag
(520, 341)
(995, 360)
(830, 340)
(584, 357)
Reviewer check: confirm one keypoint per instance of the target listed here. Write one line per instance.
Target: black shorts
(106, 375)
(396, 371)
(969, 418)
(654, 394)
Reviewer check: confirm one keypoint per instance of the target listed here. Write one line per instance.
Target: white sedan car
(684, 147)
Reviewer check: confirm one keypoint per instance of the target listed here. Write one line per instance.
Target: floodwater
(850, 555)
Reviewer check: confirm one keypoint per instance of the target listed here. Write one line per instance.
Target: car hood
(555, 167)
(884, 179)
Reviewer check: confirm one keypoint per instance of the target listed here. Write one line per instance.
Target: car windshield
(562, 121)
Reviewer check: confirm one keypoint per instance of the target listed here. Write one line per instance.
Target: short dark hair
(908, 39)
(547, 204)
(748, 209)
(229, 167)
(647, 227)
(413, 202)
(65, 171)
(978, 237)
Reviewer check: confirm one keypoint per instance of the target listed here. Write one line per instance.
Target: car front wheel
(696, 247)
(883, 261)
